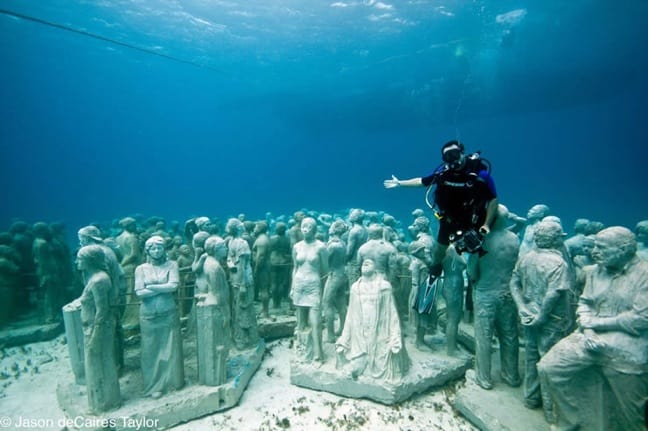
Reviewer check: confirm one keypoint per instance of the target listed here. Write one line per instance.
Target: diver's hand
(394, 182)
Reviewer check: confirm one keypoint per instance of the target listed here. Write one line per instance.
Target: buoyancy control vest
(460, 196)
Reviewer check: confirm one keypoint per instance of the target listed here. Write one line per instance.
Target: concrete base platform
(498, 409)
(429, 369)
(144, 413)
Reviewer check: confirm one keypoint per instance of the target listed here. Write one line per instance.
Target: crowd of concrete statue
(580, 304)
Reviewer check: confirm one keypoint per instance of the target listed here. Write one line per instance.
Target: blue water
(282, 105)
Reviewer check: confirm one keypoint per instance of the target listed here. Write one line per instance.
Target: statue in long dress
(99, 321)
(155, 283)
(371, 343)
(213, 314)
(245, 334)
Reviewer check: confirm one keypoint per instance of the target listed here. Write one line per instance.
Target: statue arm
(491, 212)
(633, 321)
(324, 259)
(100, 293)
(351, 246)
(516, 292)
(558, 282)
(172, 282)
(197, 265)
(140, 288)
(472, 268)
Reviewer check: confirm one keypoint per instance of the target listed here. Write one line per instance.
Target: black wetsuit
(461, 197)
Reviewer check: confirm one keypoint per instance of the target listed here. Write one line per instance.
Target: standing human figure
(92, 235)
(280, 265)
(99, 320)
(50, 289)
(420, 272)
(495, 310)
(541, 286)
(336, 295)
(454, 266)
(128, 242)
(244, 324)
(535, 214)
(357, 236)
(262, 267)
(213, 315)
(155, 283)
(381, 252)
(310, 267)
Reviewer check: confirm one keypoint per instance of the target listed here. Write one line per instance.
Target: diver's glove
(394, 182)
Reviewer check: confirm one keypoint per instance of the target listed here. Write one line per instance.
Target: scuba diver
(465, 201)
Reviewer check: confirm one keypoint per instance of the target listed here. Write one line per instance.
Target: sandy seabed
(29, 375)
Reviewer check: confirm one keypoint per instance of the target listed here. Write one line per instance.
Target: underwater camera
(467, 241)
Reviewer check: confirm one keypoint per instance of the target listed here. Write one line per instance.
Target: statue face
(156, 251)
(368, 267)
(308, 228)
(608, 254)
(80, 263)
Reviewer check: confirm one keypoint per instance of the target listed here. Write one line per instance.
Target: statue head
(309, 227)
(375, 231)
(199, 238)
(389, 220)
(249, 226)
(215, 246)
(614, 247)
(548, 234)
(185, 250)
(537, 212)
(89, 235)
(580, 225)
(641, 230)
(587, 245)
(422, 224)
(91, 258)
(234, 227)
(418, 212)
(202, 223)
(155, 248)
(129, 224)
(299, 216)
(280, 228)
(416, 248)
(594, 227)
(502, 217)
(356, 215)
(338, 227)
(368, 267)
(42, 230)
(260, 227)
